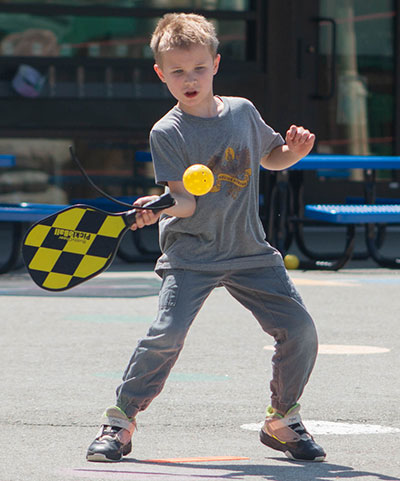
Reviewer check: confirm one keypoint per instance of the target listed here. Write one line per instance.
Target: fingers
(299, 136)
(145, 217)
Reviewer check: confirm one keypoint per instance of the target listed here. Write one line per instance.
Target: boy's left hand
(299, 140)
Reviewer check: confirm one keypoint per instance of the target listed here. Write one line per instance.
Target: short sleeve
(168, 160)
(268, 137)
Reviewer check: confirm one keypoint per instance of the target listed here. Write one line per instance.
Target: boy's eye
(177, 72)
(199, 68)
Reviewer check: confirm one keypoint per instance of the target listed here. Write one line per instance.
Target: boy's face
(189, 75)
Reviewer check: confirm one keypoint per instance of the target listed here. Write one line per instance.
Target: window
(360, 113)
(68, 52)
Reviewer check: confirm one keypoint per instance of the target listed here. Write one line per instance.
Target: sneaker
(114, 438)
(288, 434)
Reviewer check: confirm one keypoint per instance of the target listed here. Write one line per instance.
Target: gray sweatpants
(267, 292)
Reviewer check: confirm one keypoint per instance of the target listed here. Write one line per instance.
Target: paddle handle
(165, 201)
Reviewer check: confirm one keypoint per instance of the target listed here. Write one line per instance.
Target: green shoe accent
(122, 412)
(294, 407)
(272, 412)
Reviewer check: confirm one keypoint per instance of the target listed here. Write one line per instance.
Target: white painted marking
(322, 282)
(344, 349)
(131, 275)
(348, 349)
(327, 427)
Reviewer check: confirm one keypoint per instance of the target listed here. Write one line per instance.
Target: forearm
(280, 158)
(185, 205)
(299, 142)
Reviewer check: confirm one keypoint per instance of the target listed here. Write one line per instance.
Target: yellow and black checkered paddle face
(77, 243)
(71, 246)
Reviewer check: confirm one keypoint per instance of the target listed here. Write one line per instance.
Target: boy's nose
(190, 79)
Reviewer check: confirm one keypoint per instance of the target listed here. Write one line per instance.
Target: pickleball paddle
(70, 247)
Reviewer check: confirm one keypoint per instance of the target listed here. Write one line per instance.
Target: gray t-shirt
(225, 232)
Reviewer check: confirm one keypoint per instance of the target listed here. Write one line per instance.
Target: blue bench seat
(26, 212)
(354, 213)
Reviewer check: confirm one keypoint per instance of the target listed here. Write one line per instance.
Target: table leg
(16, 243)
(340, 261)
(374, 249)
(280, 207)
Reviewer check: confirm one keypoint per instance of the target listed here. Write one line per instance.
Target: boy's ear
(159, 72)
(216, 63)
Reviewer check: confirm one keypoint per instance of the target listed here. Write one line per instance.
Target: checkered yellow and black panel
(71, 246)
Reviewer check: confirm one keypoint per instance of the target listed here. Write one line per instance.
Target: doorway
(354, 96)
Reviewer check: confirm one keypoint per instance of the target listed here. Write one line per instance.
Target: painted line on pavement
(321, 282)
(345, 282)
(338, 428)
(164, 472)
(207, 459)
(344, 349)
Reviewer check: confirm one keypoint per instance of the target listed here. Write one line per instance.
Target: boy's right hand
(185, 205)
(145, 217)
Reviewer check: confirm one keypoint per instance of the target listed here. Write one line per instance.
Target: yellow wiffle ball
(291, 261)
(198, 179)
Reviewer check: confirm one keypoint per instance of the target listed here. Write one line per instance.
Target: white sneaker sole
(318, 459)
(101, 458)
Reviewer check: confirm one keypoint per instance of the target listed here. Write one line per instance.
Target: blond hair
(183, 30)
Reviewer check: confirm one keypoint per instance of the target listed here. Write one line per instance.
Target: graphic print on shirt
(231, 167)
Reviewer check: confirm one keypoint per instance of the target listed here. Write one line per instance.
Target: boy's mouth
(191, 94)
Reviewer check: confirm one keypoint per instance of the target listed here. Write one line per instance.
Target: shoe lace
(300, 429)
(109, 431)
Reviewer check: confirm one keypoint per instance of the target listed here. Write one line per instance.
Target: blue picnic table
(288, 213)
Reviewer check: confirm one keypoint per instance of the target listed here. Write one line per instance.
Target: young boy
(215, 240)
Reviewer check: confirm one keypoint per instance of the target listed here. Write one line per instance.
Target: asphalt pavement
(62, 356)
